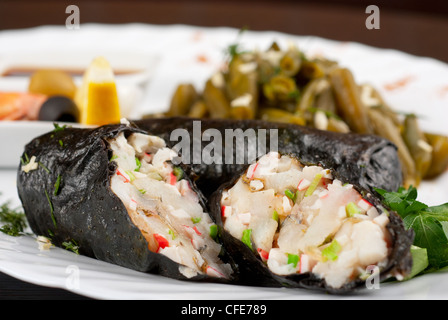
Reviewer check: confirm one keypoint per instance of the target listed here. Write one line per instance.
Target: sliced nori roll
(66, 191)
(368, 160)
(254, 219)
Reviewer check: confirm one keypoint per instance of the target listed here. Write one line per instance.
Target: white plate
(191, 54)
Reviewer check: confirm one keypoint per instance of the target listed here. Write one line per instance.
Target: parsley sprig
(430, 225)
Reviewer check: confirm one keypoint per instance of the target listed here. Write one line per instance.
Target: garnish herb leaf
(58, 128)
(247, 238)
(429, 224)
(71, 245)
(51, 208)
(57, 185)
(13, 220)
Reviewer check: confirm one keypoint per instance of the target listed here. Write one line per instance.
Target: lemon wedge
(97, 97)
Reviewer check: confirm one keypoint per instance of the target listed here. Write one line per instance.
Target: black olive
(59, 108)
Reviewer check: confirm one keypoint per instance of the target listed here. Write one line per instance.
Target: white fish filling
(163, 205)
(303, 220)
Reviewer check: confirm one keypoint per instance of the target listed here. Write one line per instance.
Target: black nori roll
(368, 160)
(68, 198)
(252, 270)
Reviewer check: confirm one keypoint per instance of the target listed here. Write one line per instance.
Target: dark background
(414, 26)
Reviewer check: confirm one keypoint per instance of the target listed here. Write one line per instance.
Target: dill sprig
(13, 220)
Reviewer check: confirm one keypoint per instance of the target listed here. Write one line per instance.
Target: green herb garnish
(351, 209)
(26, 160)
(44, 167)
(275, 215)
(71, 245)
(233, 50)
(178, 173)
(131, 175)
(138, 163)
(293, 259)
(13, 220)
(113, 157)
(61, 143)
(331, 252)
(51, 208)
(291, 195)
(429, 224)
(246, 239)
(171, 233)
(196, 220)
(214, 231)
(313, 185)
(57, 185)
(58, 128)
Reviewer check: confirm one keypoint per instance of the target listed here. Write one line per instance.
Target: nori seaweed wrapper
(252, 271)
(368, 160)
(83, 209)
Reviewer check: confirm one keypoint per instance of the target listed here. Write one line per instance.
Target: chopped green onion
(178, 172)
(131, 175)
(113, 157)
(351, 209)
(313, 185)
(293, 259)
(57, 185)
(139, 164)
(246, 239)
(275, 215)
(213, 231)
(142, 191)
(331, 252)
(196, 220)
(51, 208)
(291, 195)
(171, 233)
(61, 143)
(155, 176)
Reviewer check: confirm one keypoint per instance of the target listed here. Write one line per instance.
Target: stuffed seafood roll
(300, 226)
(114, 192)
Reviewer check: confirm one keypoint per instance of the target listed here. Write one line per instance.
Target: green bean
(325, 99)
(280, 88)
(372, 99)
(311, 70)
(277, 115)
(348, 99)
(198, 110)
(308, 96)
(337, 125)
(290, 62)
(242, 89)
(183, 98)
(439, 163)
(385, 128)
(418, 146)
(216, 101)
